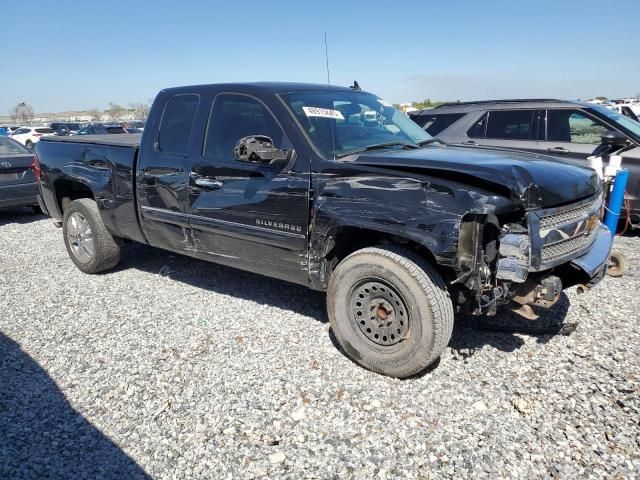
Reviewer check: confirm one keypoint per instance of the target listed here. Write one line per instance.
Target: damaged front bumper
(594, 263)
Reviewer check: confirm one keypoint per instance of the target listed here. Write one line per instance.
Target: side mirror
(614, 139)
(259, 149)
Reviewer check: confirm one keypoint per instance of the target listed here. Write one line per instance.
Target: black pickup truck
(333, 188)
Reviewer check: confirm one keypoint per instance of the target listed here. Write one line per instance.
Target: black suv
(101, 129)
(66, 128)
(568, 130)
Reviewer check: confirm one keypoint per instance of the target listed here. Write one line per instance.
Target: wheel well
(72, 190)
(349, 239)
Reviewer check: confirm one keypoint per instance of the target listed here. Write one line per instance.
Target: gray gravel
(208, 372)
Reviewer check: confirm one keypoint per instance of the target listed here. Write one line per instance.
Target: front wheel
(389, 310)
(29, 145)
(89, 244)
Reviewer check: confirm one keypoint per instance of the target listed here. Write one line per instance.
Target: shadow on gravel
(226, 280)
(470, 334)
(41, 435)
(19, 215)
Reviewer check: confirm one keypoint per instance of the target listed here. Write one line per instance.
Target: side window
(233, 117)
(478, 128)
(510, 124)
(177, 123)
(573, 126)
(434, 124)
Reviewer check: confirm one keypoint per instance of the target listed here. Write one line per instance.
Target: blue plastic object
(615, 200)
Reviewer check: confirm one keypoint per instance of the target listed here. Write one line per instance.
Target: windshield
(626, 122)
(11, 147)
(339, 123)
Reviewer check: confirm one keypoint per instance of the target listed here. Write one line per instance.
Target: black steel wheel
(389, 310)
(380, 312)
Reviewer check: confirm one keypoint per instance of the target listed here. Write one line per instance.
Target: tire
(29, 145)
(618, 264)
(36, 209)
(91, 247)
(389, 310)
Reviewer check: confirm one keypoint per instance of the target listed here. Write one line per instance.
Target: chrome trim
(570, 226)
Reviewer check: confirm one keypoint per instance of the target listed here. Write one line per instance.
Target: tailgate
(16, 169)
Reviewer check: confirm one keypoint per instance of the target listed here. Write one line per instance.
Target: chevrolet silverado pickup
(333, 188)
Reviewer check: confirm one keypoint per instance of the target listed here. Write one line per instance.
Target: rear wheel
(91, 247)
(29, 145)
(390, 310)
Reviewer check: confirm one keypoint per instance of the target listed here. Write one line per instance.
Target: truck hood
(529, 180)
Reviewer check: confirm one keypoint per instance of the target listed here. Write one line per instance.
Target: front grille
(575, 214)
(567, 247)
(560, 234)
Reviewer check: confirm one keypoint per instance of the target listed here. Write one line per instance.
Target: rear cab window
(177, 123)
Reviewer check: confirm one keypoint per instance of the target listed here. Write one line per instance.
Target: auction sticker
(322, 112)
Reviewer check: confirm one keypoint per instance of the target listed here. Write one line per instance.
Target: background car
(568, 130)
(17, 175)
(101, 129)
(4, 132)
(29, 136)
(66, 128)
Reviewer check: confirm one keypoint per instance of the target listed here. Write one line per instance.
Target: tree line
(23, 112)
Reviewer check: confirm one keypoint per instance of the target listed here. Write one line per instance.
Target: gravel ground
(174, 368)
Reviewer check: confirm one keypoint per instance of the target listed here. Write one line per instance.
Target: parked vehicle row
(570, 131)
(29, 136)
(335, 189)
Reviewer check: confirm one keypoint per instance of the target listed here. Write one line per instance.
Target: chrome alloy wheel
(80, 237)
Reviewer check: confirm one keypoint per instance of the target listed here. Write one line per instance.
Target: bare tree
(22, 112)
(140, 110)
(115, 111)
(95, 113)
(13, 113)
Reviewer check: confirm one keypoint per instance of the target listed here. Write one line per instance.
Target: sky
(74, 55)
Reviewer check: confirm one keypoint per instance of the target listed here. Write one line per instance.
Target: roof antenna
(355, 87)
(331, 124)
(326, 56)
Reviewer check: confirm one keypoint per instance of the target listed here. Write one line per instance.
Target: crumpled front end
(543, 253)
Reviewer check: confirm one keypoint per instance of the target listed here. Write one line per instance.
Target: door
(572, 134)
(249, 215)
(163, 175)
(517, 129)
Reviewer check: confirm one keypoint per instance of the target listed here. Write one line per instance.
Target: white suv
(28, 136)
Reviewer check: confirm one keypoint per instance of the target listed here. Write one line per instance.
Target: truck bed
(119, 139)
(105, 164)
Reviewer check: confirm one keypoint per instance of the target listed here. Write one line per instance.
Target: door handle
(469, 142)
(557, 150)
(208, 183)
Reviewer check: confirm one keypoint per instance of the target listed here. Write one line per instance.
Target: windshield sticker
(322, 112)
(384, 103)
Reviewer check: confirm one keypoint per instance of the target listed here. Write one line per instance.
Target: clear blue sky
(64, 55)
